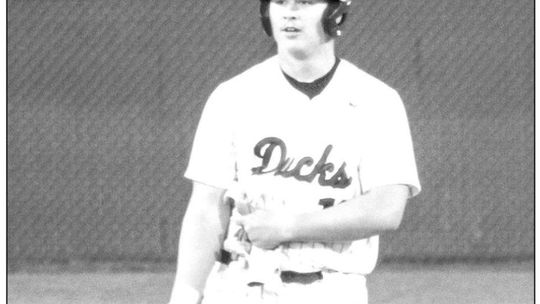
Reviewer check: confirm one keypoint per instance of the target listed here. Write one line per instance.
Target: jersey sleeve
(388, 156)
(212, 159)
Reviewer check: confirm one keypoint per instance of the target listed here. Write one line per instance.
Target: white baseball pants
(227, 284)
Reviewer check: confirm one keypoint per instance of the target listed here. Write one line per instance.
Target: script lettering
(274, 147)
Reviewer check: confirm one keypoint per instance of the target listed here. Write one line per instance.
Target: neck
(308, 66)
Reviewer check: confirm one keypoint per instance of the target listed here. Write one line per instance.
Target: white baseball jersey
(310, 154)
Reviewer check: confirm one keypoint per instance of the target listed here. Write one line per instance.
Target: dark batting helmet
(333, 17)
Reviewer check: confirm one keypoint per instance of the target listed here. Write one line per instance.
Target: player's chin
(288, 39)
(298, 50)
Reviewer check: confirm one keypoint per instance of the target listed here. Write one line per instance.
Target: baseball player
(298, 164)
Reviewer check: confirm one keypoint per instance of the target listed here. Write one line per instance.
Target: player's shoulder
(233, 93)
(365, 87)
(363, 81)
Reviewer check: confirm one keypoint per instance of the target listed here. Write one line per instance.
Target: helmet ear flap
(265, 17)
(334, 17)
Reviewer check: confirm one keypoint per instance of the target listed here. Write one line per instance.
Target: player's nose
(291, 15)
(291, 9)
(292, 5)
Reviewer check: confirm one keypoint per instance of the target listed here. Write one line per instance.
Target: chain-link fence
(104, 98)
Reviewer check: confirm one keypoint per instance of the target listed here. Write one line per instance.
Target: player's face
(297, 24)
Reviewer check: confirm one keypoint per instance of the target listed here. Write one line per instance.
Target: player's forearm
(199, 246)
(203, 229)
(362, 217)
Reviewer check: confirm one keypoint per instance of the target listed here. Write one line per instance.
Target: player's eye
(311, 2)
(301, 2)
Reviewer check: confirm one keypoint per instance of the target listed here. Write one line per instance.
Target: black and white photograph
(270, 151)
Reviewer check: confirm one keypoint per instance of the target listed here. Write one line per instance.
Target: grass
(390, 284)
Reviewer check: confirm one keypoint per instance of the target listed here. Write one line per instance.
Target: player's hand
(185, 294)
(265, 228)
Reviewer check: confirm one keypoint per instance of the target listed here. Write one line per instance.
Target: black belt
(287, 276)
(224, 257)
(300, 277)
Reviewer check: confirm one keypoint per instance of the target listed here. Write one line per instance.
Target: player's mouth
(290, 29)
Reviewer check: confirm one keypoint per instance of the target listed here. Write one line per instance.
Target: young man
(320, 157)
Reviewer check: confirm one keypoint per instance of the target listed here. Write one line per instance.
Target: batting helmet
(332, 20)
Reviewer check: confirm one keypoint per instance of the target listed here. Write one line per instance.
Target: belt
(224, 257)
(286, 276)
(300, 277)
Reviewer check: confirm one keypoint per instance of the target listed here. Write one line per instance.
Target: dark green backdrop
(104, 98)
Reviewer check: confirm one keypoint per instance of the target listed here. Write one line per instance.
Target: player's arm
(377, 211)
(381, 209)
(203, 229)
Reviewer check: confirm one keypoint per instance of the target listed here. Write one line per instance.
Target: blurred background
(104, 98)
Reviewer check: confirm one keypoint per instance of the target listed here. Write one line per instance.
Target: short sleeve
(388, 155)
(212, 159)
